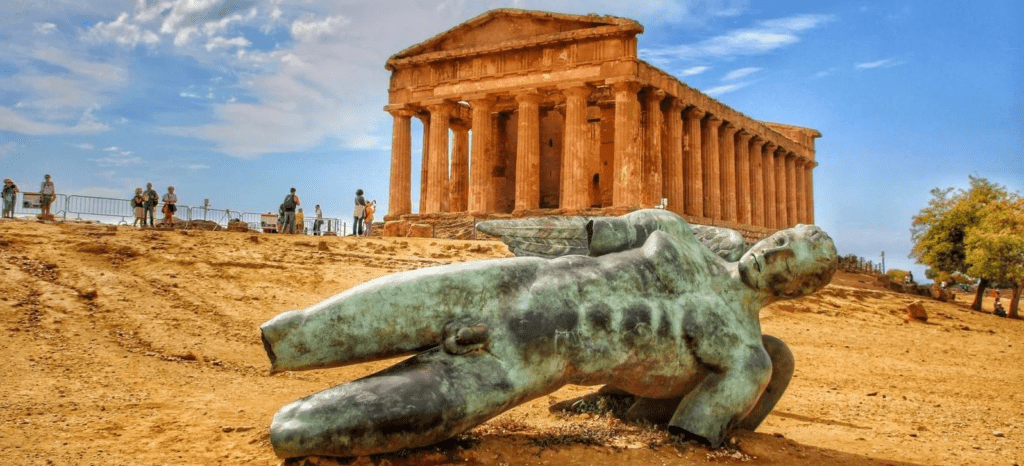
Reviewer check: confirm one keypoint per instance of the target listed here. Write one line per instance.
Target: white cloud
(117, 160)
(885, 63)
(84, 146)
(739, 73)
(222, 43)
(15, 122)
(122, 31)
(695, 70)
(309, 29)
(44, 28)
(762, 38)
(726, 88)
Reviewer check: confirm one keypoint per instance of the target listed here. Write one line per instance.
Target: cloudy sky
(238, 100)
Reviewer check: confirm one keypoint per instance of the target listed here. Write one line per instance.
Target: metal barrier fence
(121, 209)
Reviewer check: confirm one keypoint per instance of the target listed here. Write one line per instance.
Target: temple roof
(523, 27)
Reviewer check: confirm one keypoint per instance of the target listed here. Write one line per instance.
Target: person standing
(319, 221)
(358, 213)
(9, 193)
(371, 207)
(291, 201)
(46, 194)
(138, 206)
(300, 221)
(170, 199)
(151, 199)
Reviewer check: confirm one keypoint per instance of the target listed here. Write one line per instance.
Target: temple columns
(425, 161)
(672, 156)
(757, 186)
(710, 159)
(459, 195)
(792, 215)
(768, 156)
(809, 190)
(798, 169)
(742, 180)
(781, 218)
(527, 195)
(481, 192)
(400, 190)
(627, 182)
(727, 162)
(575, 187)
(692, 164)
(437, 160)
(651, 163)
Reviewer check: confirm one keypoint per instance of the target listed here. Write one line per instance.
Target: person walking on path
(151, 198)
(46, 194)
(170, 199)
(291, 201)
(319, 221)
(9, 193)
(138, 206)
(371, 207)
(358, 213)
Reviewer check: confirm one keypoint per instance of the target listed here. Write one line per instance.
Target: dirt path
(142, 347)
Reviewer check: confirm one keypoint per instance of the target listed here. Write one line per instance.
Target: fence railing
(108, 208)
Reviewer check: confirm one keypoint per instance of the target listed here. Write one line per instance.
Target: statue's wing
(727, 244)
(540, 236)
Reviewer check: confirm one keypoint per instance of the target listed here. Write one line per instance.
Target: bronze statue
(651, 312)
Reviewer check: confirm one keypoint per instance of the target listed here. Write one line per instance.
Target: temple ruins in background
(528, 113)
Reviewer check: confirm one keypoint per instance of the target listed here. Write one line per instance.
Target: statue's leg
(782, 373)
(425, 399)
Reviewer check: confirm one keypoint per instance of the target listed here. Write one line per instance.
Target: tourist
(300, 221)
(358, 213)
(46, 194)
(9, 193)
(170, 199)
(371, 207)
(138, 205)
(291, 201)
(319, 221)
(152, 198)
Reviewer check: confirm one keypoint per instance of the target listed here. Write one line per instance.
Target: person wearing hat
(10, 191)
(46, 195)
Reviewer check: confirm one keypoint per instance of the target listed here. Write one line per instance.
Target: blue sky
(237, 101)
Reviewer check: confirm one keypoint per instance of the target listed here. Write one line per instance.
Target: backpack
(289, 203)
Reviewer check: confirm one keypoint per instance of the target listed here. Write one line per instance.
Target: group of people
(362, 215)
(144, 204)
(47, 193)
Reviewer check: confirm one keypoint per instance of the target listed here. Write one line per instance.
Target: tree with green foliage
(995, 246)
(940, 230)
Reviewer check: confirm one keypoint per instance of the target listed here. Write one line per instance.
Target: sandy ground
(122, 346)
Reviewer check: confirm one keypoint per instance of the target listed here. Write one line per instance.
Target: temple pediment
(502, 26)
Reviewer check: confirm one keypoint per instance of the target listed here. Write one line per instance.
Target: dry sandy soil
(122, 346)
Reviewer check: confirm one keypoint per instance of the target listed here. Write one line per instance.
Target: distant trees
(978, 232)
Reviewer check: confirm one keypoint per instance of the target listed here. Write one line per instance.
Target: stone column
(798, 177)
(809, 190)
(792, 214)
(692, 164)
(425, 161)
(710, 158)
(626, 188)
(652, 124)
(672, 155)
(727, 162)
(781, 219)
(575, 195)
(437, 163)
(742, 181)
(768, 156)
(459, 201)
(400, 190)
(481, 191)
(528, 151)
(757, 189)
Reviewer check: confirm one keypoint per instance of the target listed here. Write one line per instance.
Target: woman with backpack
(358, 213)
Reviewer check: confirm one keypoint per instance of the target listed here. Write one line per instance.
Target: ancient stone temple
(535, 113)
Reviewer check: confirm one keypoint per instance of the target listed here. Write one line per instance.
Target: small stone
(916, 311)
(998, 434)
(227, 429)
(873, 394)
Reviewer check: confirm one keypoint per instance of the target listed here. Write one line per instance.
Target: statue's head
(790, 263)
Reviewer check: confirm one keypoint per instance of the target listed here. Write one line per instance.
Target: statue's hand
(460, 339)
